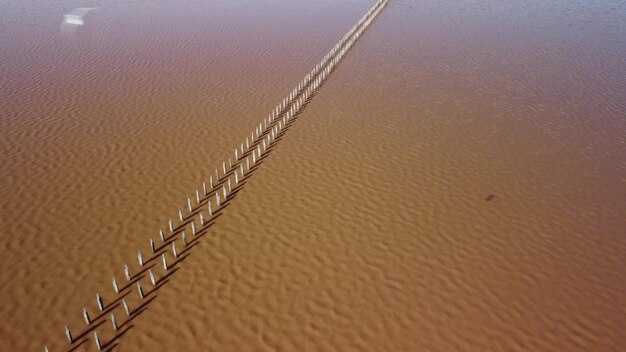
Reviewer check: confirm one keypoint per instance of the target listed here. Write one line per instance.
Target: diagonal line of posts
(175, 242)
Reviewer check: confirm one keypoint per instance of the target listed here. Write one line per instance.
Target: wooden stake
(152, 247)
(113, 322)
(164, 261)
(174, 249)
(201, 219)
(100, 302)
(97, 340)
(86, 316)
(126, 307)
(68, 334)
(140, 290)
(152, 278)
(127, 272)
(115, 287)
(139, 258)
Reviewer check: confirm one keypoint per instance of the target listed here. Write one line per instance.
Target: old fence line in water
(211, 200)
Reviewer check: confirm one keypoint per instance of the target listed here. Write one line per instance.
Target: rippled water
(475, 149)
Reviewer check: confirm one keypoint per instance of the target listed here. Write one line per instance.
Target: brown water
(457, 184)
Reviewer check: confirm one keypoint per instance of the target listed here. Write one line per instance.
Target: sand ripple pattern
(112, 321)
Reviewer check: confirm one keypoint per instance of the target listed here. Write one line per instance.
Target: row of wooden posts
(246, 156)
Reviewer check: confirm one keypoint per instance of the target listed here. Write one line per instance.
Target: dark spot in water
(490, 197)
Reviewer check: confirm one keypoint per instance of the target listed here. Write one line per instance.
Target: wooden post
(97, 340)
(86, 316)
(113, 322)
(152, 278)
(164, 261)
(126, 307)
(140, 290)
(115, 287)
(100, 302)
(127, 272)
(68, 334)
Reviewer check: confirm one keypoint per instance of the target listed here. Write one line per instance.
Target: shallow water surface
(457, 184)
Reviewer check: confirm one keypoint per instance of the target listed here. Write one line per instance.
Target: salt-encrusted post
(127, 272)
(86, 316)
(164, 261)
(140, 290)
(139, 258)
(68, 334)
(100, 302)
(152, 247)
(97, 340)
(152, 278)
(126, 307)
(115, 287)
(113, 322)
